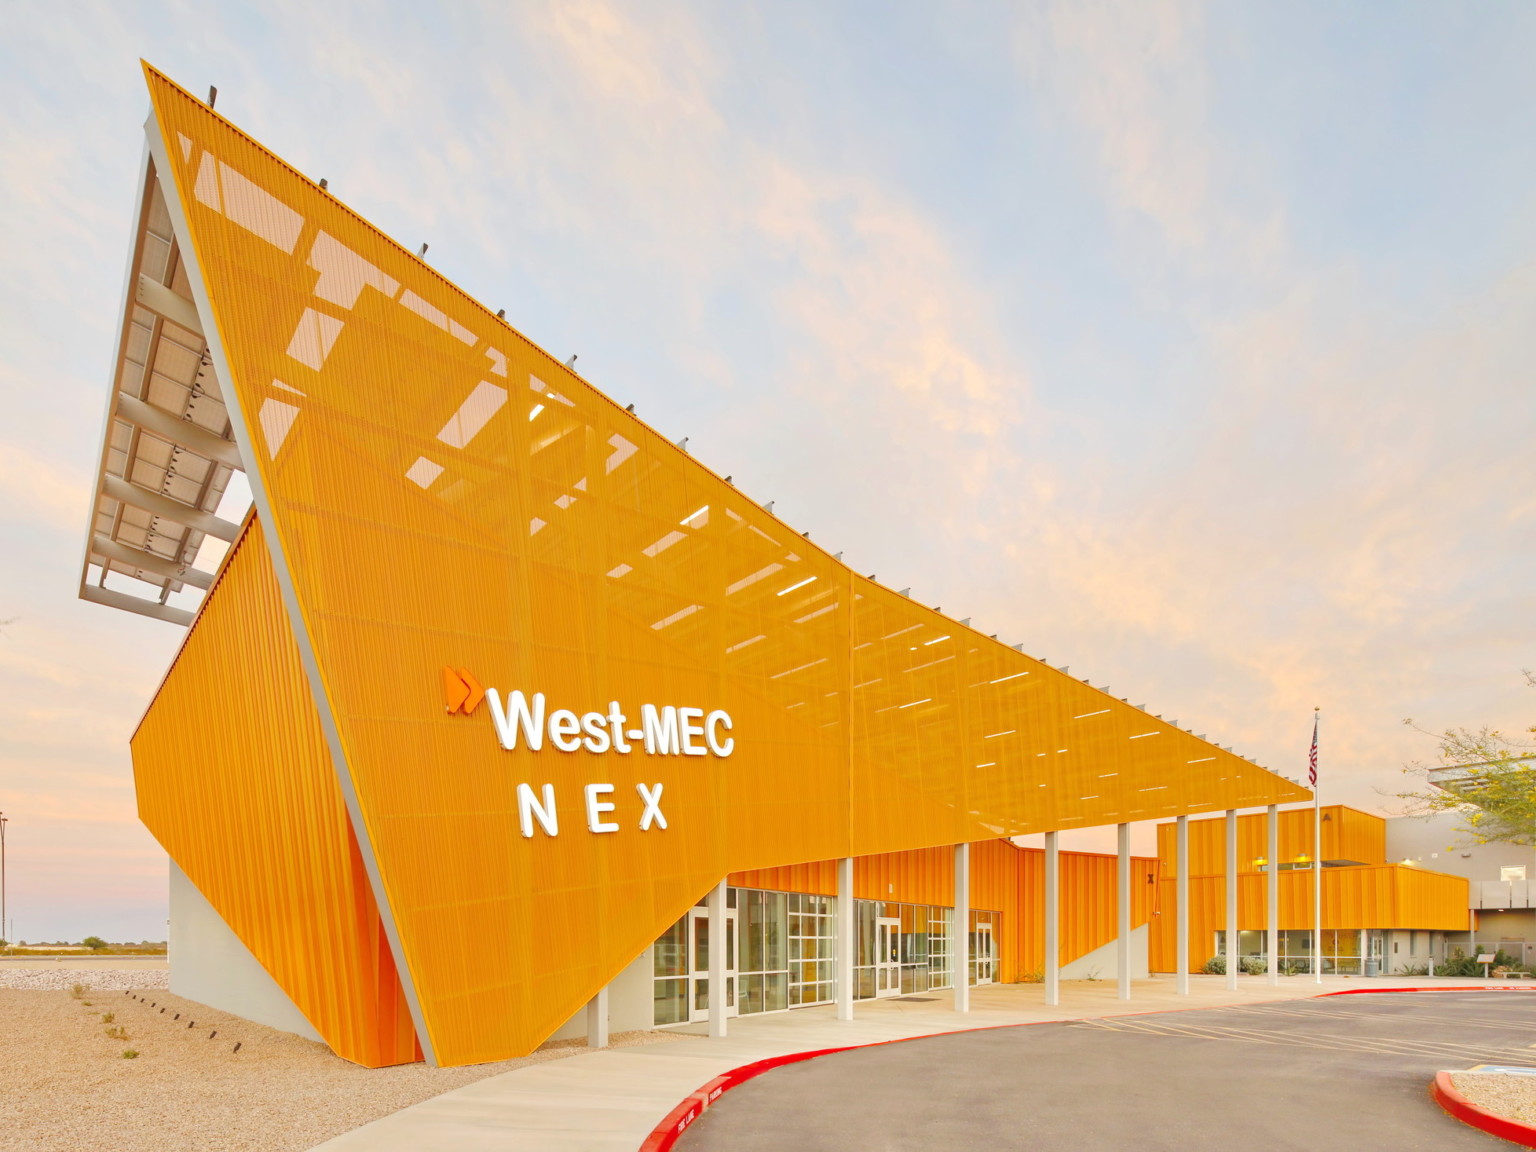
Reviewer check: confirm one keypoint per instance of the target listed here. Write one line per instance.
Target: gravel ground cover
(62, 979)
(67, 1084)
(1512, 1097)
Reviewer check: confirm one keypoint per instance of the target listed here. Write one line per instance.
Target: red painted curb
(665, 1134)
(1457, 1105)
(1440, 988)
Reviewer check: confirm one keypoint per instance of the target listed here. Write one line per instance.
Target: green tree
(1495, 795)
(94, 943)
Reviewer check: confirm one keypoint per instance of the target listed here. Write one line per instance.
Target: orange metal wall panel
(926, 874)
(1355, 835)
(1430, 900)
(234, 780)
(819, 877)
(1378, 896)
(1088, 916)
(445, 493)
(1348, 834)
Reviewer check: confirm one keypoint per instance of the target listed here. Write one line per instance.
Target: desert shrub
(1458, 963)
(78, 991)
(130, 1054)
(1253, 965)
(1215, 966)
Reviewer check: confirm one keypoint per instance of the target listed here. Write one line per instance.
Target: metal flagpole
(4, 933)
(1317, 858)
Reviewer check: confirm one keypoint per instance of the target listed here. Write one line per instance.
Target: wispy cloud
(1020, 307)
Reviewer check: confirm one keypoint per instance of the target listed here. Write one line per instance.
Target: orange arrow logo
(461, 691)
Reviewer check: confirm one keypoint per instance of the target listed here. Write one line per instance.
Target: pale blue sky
(1189, 345)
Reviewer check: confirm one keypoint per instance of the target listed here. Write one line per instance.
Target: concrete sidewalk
(611, 1100)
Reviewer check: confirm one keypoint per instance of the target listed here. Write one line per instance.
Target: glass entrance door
(1376, 953)
(699, 944)
(887, 956)
(984, 955)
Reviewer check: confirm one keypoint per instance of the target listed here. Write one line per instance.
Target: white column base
(597, 1020)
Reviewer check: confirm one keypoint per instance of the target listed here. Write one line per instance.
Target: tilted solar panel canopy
(448, 509)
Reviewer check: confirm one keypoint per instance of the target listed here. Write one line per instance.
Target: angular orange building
(496, 689)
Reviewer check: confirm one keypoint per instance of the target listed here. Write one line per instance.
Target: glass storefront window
(939, 920)
(1340, 949)
(864, 916)
(671, 951)
(785, 946)
(812, 949)
(670, 1001)
(919, 943)
(763, 941)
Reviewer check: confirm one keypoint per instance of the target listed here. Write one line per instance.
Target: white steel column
(716, 909)
(1123, 911)
(597, 1019)
(1052, 920)
(1272, 894)
(1181, 897)
(1233, 957)
(847, 925)
(960, 931)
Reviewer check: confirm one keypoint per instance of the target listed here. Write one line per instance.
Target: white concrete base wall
(1103, 963)
(210, 965)
(631, 1002)
(1406, 949)
(1414, 949)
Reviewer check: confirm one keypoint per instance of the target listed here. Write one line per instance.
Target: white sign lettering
(664, 731)
(536, 810)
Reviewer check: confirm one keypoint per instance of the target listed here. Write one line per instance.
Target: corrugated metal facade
(1348, 834)
(234, 780)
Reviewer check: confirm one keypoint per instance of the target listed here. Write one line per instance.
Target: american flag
(1312, 757)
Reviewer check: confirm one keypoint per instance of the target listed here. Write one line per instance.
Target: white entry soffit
(168, 452)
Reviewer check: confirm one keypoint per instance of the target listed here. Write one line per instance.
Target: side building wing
(235, 782)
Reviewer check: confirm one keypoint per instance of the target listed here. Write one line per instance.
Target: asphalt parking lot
(1342, 1072)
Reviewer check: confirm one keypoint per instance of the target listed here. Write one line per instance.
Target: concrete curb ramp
(1457, 1105)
